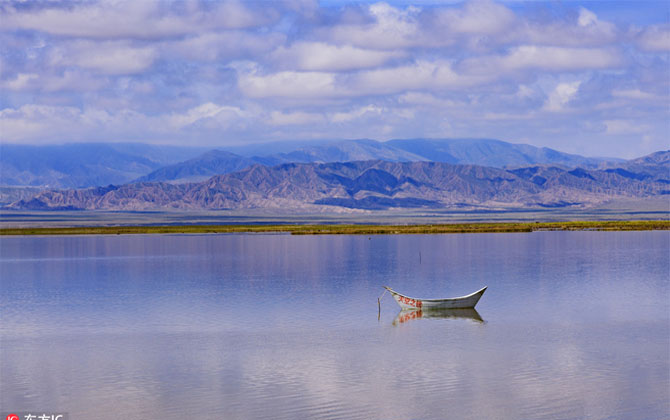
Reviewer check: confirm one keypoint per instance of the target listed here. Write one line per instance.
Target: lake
(574, 325)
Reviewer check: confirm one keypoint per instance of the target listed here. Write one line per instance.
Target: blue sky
(590, 77)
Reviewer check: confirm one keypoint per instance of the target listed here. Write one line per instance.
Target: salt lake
(573, 325)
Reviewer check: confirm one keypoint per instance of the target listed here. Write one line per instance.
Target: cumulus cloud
(164, 70)
(655, 38)
(479, 25)
(129, 19)
(477, 17)
(340, 117)
(418, 75)
(586, 31)
(110, 57)
(427, 99)
(586, 17)
(68, 80)
(45, 122)
(289, 84)
(562, 94)
(637, 94)
(321, 56)
(551, 59)
(383, 27)
(623, 127)
(226, 45)
(208, 111)
(21, 81)
(422, 74)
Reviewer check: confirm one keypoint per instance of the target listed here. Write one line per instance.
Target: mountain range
(89, 165)
(484, 152)
(79, 165)
(377, 184)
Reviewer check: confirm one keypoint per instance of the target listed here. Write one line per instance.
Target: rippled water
(573, 325)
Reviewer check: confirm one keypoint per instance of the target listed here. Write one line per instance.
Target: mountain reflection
(409, 315)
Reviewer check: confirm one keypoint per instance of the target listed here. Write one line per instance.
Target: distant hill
(9, 195)
(204, 166)
(661, 158)
(88, 164)
(218, 162)
(483, 152)
(494, 153)
(83, 164)
(655, 166)
(369, 185)
(348, 151)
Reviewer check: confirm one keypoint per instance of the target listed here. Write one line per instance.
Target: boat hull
(462, 302)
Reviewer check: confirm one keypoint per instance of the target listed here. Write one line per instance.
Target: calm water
(573, 325)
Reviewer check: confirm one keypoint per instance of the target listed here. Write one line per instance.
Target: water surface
(573, 325)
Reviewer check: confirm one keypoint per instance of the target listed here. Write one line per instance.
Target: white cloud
(73, 81)
(205, 111)
(37, 122)
(289, 84)
(109, 57)
(427, 99)
(481, 17)
(340, 117)
(587, 31)
(237, 14)
(321, 56)
(212, 46)
(477, 25)
(586, 17)
(96, 20)
(422, 74)
(208, 71)
(562, 94)
(145, 19)
(636, 94)
(525, 92)
(389, 28)
(552, 59)
(48, 123)
(622, 127)
(21, 81)
(68, 80)
(655, 38)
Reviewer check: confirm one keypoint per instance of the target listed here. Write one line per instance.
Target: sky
(589, 77)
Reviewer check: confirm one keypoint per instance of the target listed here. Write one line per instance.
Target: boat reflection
(409, 315)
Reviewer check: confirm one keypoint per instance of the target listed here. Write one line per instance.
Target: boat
(462, 302)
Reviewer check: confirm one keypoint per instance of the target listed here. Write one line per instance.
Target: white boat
(407, 302)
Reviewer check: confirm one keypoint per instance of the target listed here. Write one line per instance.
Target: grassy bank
(347, 229)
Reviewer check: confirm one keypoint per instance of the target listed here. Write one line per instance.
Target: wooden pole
(379, 312)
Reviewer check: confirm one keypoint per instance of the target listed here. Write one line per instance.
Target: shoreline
(348, 229)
